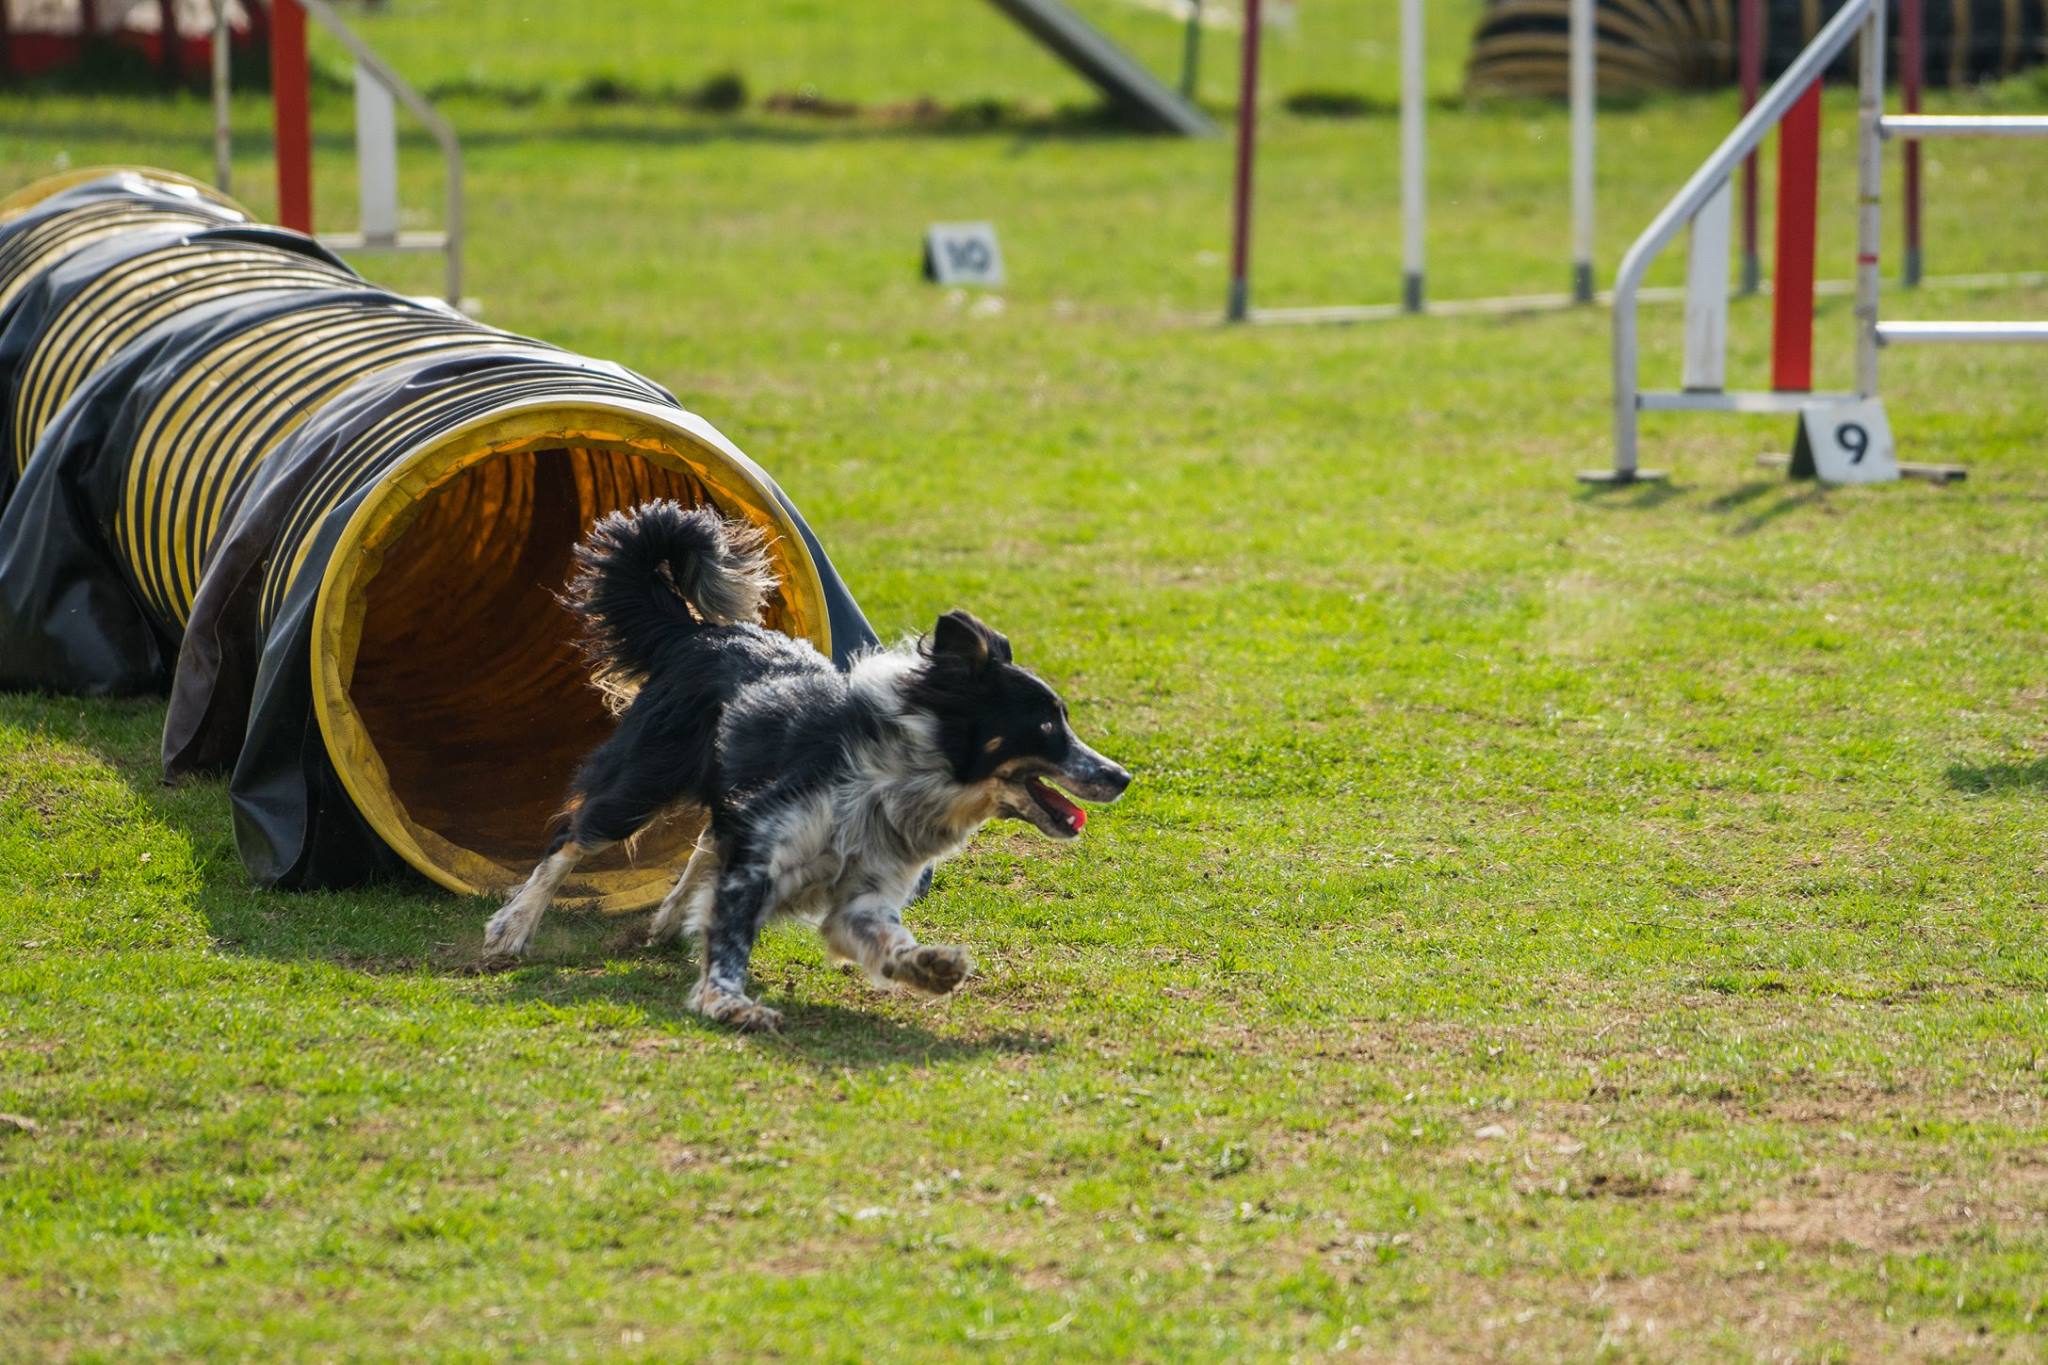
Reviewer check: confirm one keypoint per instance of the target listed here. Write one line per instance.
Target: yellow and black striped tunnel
(331, 521)
(1522, 47)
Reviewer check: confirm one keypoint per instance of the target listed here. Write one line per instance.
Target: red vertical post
(1247, 151)
(1749, 61)
(167, 25)
(1792, 271)
(1912, 70)
(289, 98)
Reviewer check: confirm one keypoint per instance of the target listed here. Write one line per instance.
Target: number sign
(962, 253)
(1845, 442)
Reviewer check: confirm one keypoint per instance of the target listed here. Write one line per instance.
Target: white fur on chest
(825, 857)
(874, 830)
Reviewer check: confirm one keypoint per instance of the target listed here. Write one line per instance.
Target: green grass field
(1546, 923)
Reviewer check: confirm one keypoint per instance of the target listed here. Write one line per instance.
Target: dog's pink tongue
(1075, 817)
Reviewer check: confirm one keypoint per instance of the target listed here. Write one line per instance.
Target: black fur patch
(989, 711)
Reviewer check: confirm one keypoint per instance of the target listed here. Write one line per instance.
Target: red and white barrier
(378, 92)
(1792, 105)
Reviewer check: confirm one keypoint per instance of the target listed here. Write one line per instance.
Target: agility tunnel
(1522, 47)
(330, 521)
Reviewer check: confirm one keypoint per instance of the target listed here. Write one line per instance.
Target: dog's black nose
(1092, 777)
(1119, 778)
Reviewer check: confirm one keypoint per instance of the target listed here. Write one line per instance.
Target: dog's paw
(935, 971)
(505, 937)
(750, 1016)
(736, 1011)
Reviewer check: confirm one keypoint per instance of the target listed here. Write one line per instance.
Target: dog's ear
(998, 643)
(959, 635)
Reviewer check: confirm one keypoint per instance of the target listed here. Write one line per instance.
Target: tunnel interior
(466, 676)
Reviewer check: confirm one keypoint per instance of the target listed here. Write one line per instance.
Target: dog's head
(1004, 730)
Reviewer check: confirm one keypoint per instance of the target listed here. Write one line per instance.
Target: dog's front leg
(868, 930)
(510, 931)
(742, 906)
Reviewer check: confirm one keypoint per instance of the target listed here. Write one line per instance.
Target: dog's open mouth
(1055, 803)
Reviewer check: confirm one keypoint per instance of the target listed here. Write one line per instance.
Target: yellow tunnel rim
(673, 437)
(36, 191)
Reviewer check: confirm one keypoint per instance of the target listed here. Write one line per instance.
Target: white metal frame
(223, 138)
(1701, 205)
(1584, 90)
(1414, 154)
(1414, 189)
(378, 92)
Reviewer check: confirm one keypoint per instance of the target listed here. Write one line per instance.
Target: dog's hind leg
(742, 905)
(868, 930)
(613, 802)
(510, 931)
(688, 903)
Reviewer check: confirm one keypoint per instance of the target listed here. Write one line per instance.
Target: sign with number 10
(962, 253)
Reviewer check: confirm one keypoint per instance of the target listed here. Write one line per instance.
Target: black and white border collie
(829, 793)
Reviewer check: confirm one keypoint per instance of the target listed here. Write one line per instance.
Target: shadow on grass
(1791, 502)
(1743, 494)
(1633, 496)
(822, 1033)
(595, 124)
(579, 959)
(1074, 125)
(408, 928)
(1988, 778)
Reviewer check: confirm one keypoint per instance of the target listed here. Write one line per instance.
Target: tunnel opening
(452, 694)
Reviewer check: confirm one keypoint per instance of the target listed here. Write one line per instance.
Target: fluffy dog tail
(662, 571)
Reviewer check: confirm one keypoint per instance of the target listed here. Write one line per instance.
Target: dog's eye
(1048, 728)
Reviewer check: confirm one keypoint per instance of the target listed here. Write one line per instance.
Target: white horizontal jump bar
(1889, 332)
(404, 241)
(1913, 126)
(1678, 400)
(1512, 304)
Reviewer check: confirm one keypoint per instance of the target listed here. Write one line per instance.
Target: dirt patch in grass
(1893, 1211)
(1695, 1311)
(1834, 1223)
(1763, 1283)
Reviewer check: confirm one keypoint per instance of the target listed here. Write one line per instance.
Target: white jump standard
(1701, 205)
(1414, 184)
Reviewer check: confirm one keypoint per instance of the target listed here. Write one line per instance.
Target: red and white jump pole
(1912, 70)
(1414, 170)
(1792, 271)
(291, 101)
(1749, 61)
